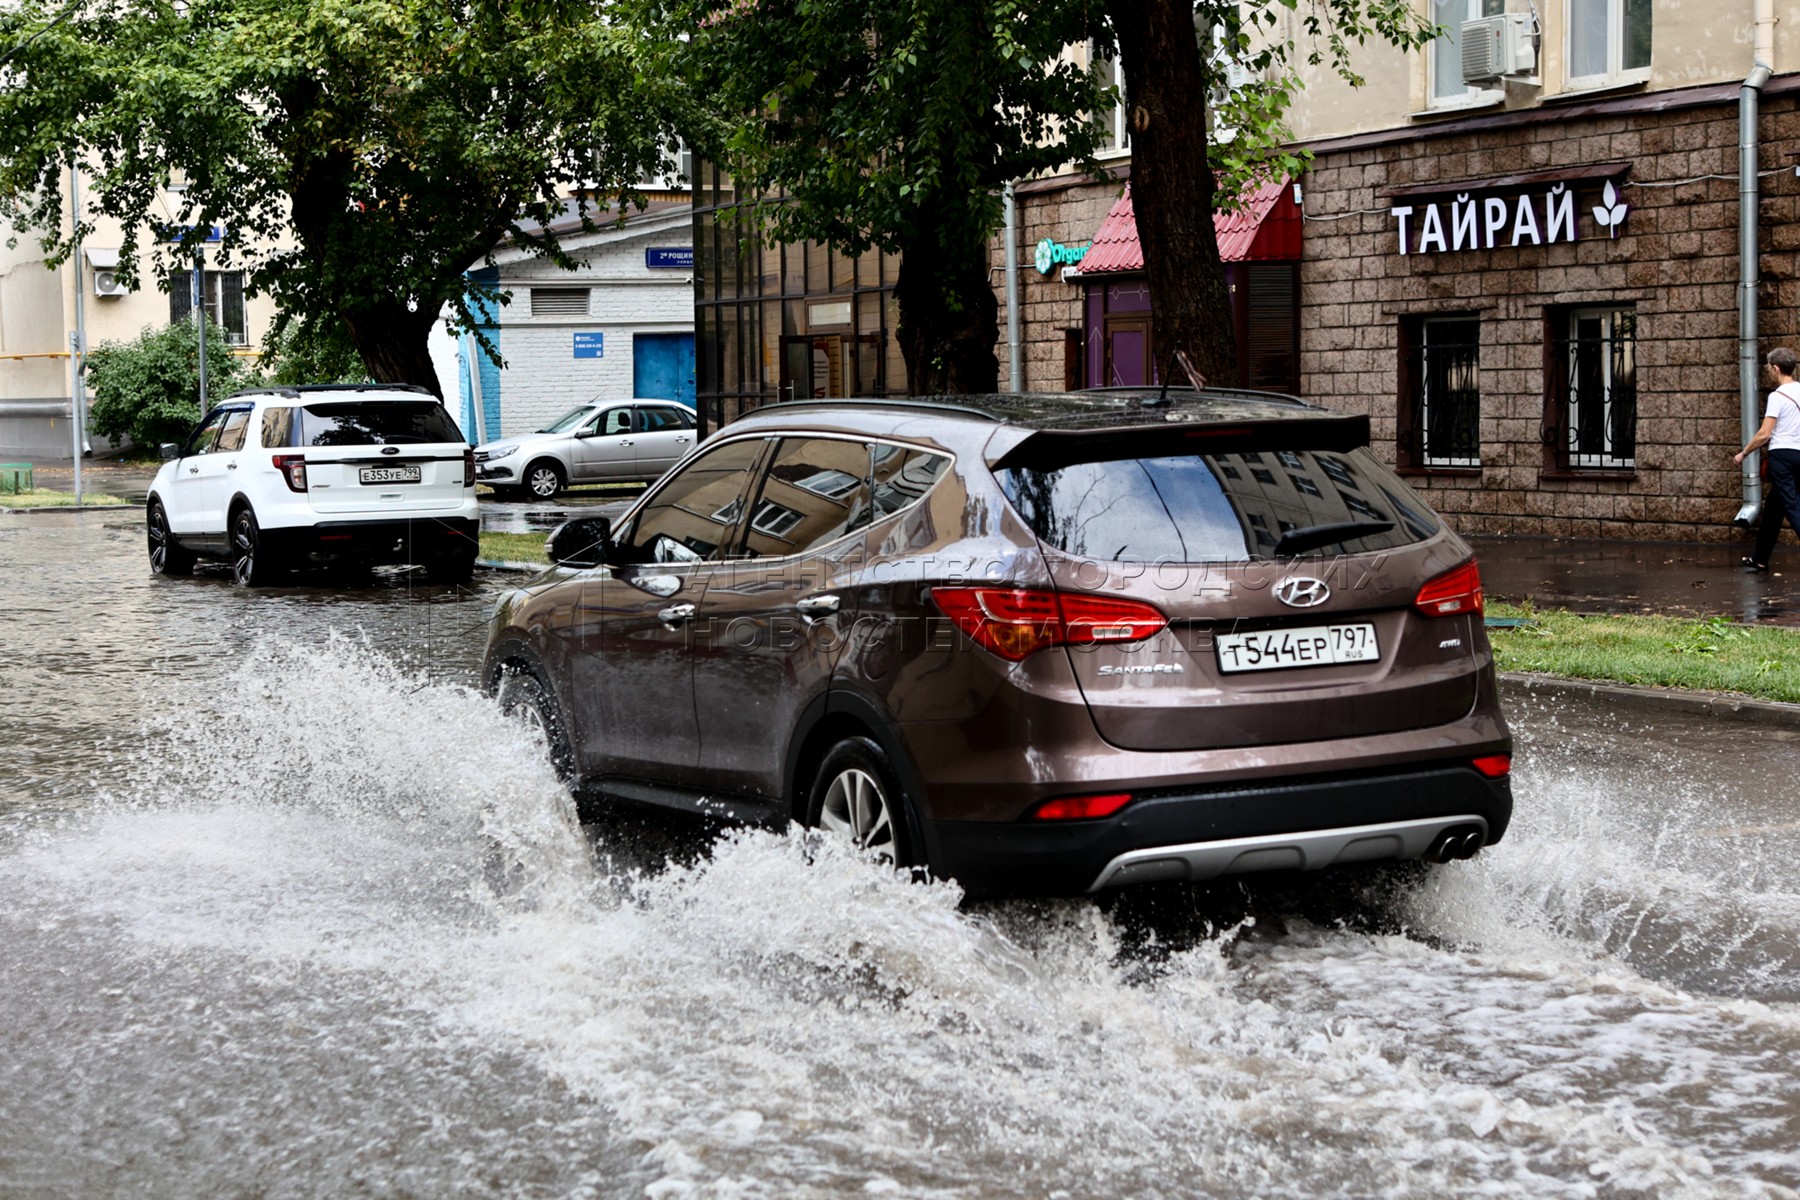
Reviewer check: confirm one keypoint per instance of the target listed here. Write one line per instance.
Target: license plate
(1312, 646)
(389, 474)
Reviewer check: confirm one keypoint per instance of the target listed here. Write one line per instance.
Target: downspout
(1014, 352)
(1748, 397)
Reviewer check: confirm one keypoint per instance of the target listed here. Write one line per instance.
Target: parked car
(1038, 644)
(605, 441)
(277, 479)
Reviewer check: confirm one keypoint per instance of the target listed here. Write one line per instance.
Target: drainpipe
(1748, 397)
(78, 339)
(1014, 358)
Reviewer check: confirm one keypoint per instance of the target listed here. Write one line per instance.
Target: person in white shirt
(1780, 432)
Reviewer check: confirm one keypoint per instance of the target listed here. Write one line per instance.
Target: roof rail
(876, 402)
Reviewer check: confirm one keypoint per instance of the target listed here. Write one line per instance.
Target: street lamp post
(199, 290)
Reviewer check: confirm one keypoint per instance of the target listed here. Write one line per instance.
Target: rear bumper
(415, 540)
(1305, 824)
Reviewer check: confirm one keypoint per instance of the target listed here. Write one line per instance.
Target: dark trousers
(1781, 497)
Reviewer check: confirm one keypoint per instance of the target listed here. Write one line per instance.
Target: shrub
(148, 389)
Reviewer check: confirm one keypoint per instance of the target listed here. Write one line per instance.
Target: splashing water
(339, 932)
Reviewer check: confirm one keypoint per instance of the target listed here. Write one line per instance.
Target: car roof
(361, 391)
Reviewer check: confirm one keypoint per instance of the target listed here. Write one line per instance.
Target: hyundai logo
(1302, 591)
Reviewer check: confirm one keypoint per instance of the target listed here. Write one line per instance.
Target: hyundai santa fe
(1038, 644)
(278, 479)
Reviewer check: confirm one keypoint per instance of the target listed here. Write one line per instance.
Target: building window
(1594, 397)
(1447, 86)
(676, 173)
(1440, 393)
(1115, 131)
(1609, 41)
(224, 302)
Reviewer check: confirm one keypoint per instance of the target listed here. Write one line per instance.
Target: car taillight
(1452, 594)
(1494, 766)
(1017, 622)
(293, 469)
(1081, 808)
(469, 467)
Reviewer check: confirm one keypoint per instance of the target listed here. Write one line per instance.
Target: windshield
(1220, 507)
(569, 420)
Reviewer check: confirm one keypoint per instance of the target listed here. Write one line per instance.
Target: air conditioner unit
(107, 283)
(1496, 46)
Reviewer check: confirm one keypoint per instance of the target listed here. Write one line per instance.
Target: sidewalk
(1700, 579)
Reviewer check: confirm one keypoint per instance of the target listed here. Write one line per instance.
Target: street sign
(679, 258)
(590, 345)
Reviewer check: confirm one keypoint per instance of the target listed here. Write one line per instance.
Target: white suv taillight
(293, 469)
(469, 467)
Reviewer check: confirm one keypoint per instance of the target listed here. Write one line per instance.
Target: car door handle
(681, 437)
(193, 470)
(818, 606)
(675, 614)
(231, 466)
(625, 441)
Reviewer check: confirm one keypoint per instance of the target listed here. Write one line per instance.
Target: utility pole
(200, 316)
(77, 340)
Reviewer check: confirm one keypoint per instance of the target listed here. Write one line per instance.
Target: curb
(125, 506)
(1657, 701)
(495, 564)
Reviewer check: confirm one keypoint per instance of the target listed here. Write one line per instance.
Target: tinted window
(658, 420)
(816, 491)
(1219, 507)
(376, 423)
(237, 424)
(903, 475)
(277, 427)
(201, 441)
(692, 516)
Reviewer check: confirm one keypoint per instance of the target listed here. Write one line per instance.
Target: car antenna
(1179, 356)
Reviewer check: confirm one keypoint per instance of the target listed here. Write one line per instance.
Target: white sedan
(604, 441)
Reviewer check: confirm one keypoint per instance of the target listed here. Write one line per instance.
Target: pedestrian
(1780, 432)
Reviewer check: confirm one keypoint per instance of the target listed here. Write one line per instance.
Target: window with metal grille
(1593, 413)
(559, 302)
(1440, 418)
(224, 302)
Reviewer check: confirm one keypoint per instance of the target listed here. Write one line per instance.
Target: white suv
(282, 478)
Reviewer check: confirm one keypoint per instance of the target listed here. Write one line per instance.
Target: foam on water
(376, 883)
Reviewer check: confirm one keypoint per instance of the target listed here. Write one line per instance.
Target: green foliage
(311, 351)
(148, 389)
(361, 155)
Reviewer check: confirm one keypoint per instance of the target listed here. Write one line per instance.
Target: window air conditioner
(107, 283)
(1496, 46)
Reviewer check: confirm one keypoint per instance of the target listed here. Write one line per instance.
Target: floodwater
(286, 910)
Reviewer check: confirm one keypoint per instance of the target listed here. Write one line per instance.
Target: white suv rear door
(372, 457)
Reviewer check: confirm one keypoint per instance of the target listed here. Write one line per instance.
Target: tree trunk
(949, 321)
(394, 343)
(1172, 185)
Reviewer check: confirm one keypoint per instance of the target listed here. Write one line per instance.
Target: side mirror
(583, 542)
(169, 451)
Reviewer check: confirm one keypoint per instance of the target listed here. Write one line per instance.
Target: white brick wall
(543, 379)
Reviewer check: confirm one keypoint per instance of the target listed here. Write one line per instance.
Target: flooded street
(287, 910)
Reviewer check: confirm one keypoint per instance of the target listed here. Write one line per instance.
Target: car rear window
(1219, 507)
(360, 423)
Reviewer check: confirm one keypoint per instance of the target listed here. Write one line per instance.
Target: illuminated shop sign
(1051, 255)
(1488, 222)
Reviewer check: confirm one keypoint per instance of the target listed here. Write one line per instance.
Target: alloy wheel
(543, 482)
(855, 806)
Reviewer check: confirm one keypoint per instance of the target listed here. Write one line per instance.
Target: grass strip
(515, 547)
(45, 498)
(1710, 655)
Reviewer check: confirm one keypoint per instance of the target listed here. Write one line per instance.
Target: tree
(316, 350)
(893, 124)
(1174, 54)
(148, 389)
(395, 142)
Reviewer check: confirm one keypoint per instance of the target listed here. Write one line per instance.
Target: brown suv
(1044, 643)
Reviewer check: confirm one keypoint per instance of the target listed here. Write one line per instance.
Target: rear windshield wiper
(1311, 537)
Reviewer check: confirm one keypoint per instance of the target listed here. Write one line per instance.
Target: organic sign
(1051, 255)
(1472, 222)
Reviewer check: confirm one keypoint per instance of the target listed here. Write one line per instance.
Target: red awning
(1265, 229)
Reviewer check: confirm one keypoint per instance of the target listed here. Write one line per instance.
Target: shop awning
(1265, 229)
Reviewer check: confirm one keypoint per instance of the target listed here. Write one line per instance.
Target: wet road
(285, 910)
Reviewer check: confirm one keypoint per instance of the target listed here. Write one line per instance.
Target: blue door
(662, 366)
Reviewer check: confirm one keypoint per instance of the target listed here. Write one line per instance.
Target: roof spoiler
(1051, 449)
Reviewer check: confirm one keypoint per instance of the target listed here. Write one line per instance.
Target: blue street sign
(174, 233)
(680, 258)
(590, 345)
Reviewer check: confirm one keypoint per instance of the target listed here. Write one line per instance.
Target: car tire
(251, 563)
(523, 695)
(543, 479)
(857, 796)
(166, 555)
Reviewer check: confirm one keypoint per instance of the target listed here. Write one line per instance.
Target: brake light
(1494, 766)
(1453, 593)
(469, 467)
(1081, 808)
(1017, 622)
(293, 469)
